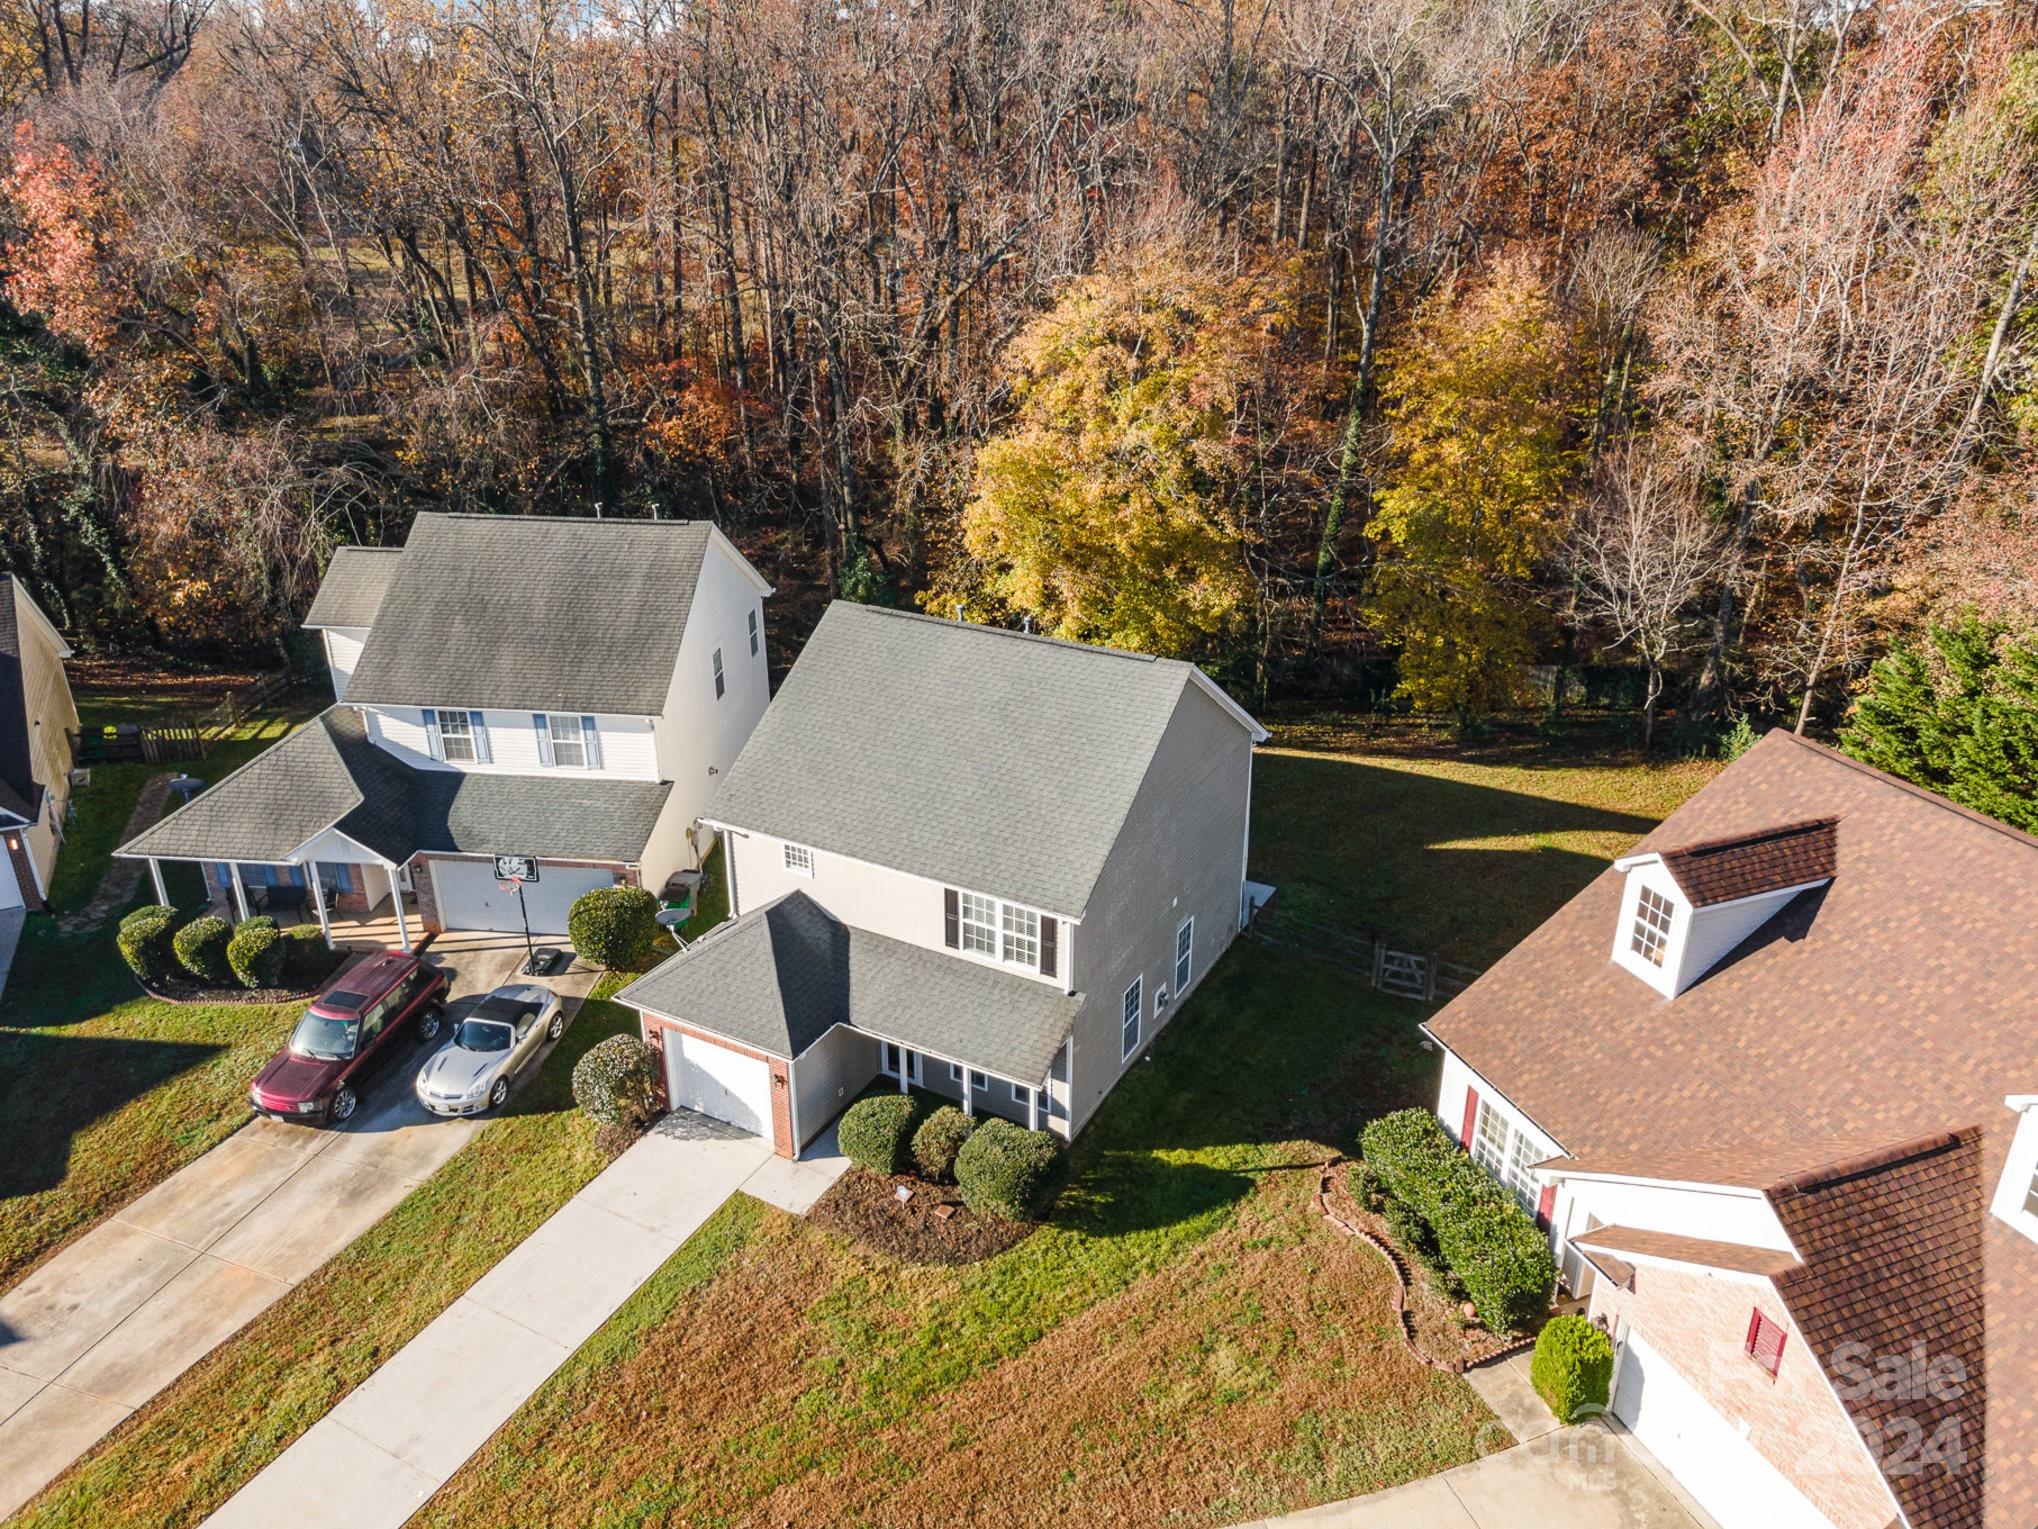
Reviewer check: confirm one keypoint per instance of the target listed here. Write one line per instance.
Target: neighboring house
(977, 862)
(37, 720)
(1771, 1080)
(561, 688)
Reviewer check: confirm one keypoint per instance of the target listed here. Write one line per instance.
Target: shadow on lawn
(56, 1086)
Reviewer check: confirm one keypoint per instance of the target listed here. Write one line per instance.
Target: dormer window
(1653, 913)
(2015, 1201)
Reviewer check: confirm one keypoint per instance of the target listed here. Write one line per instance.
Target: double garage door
(715, 1081)
(1731, 1479)
(470, 897)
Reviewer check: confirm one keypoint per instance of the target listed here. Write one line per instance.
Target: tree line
(1304, 338)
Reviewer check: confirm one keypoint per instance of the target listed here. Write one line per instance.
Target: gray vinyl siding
(828, 1075)
(1179, 854)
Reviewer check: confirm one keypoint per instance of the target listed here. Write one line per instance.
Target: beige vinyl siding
(828, 1075)
(1178, 855)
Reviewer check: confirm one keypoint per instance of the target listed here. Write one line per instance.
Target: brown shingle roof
(1893, 1257)
(1748, 865)
(1689, 1250)
(1890, 1004)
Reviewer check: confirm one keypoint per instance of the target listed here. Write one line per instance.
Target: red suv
(351, 1031)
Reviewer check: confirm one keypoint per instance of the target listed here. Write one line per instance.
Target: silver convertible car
(500, 1037)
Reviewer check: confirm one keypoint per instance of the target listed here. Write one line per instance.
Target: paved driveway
(374, 1459)
(125, 1309)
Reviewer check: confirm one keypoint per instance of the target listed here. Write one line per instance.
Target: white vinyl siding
(619, 746)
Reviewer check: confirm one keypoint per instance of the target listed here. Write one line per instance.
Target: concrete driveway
(128, 1307)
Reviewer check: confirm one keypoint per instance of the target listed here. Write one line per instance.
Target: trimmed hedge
(1573, 1368)
(877, 1132)
(1006, 1170)
(146, 942)
(614, 927)
(307, 959)
(939, 1138)
(1489, 1242)
(616, 1082)
(201, 948)
(255, 953)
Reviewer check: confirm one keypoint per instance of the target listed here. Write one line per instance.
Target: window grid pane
(979, 923)
(456, 735)
(569, 748)
(1022, 935)
(1184, 944)
(1135, 1003)
(1652, 926)
(1489, 1141)
(799, 859)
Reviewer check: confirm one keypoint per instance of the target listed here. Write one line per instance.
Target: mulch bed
(865, 1207)
(186, 990)
(1436, 1327)
(613, 1141)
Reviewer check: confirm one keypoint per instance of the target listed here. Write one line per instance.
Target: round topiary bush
(1573, 1368)
(878, 1132)
(939, 1137)
(255, 954)
(617, 1081)
(146, 942)
(307, 959)
(614, 927)
(201, 948)
(1006, 1170)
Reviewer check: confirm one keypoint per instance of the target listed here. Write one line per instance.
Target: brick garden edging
(1500, 1348)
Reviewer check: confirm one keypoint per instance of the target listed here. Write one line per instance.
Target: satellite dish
(671, 918)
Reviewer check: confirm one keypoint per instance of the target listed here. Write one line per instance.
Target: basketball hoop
(507, 886)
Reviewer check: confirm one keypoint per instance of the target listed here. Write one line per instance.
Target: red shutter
(1471, 1118)
(1546, 1205)
(1765, 1342)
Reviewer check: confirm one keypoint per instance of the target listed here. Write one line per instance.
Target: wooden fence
(1369, 954)
(216, 721)
(164, 743)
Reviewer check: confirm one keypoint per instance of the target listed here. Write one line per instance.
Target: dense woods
(1343, 345)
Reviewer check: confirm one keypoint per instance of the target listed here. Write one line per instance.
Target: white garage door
(1730, 1478)
(10, 889)
(715, 1081)
(470, 897)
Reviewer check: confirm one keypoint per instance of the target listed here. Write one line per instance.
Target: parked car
(367, 1016)
(497, 1040)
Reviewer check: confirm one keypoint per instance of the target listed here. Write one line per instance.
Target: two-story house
(1771, 1082)
(565, 689)
(973, 861)
(37, 719)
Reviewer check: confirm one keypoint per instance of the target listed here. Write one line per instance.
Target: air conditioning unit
(82, 776)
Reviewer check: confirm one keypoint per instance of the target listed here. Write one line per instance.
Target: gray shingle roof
(533, 612)
(356, 580)
(330, 774)
(991, 760)
(781, 975)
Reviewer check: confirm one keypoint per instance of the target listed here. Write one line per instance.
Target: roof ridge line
(988, 630)
(1879, 1160)
(577, 520)
(1733, 841)
(1925, 793)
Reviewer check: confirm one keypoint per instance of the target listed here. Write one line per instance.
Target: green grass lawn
(106, 1091)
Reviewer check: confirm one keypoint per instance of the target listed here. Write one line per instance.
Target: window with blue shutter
(542, 726)
(591, 741)
(433, 745)
(482, 753)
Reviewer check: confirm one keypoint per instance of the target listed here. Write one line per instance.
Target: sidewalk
(396, 1438)
(127, 1308)
(1589, 1476)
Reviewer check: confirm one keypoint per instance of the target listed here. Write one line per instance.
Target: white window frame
(799, 859)
(578, 740)
(1185, 954)
(1132, 1018)
(1655, 918)
(1021, 1094)
(979, 1082)
(1013, 920)
(2011, 1202)
(721, 683)
(1507, 1153)
(992, 929)
(955, 1072)
(889, 1068)
(976, 920)
(464, 737)
(753, 634)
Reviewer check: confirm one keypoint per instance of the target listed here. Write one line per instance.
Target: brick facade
(24, 872)
(1699, 1323)
(426, 893)
(655, 1030)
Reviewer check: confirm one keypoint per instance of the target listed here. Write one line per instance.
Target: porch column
(156, 875)
(396, 897)
(904, 1068)
(1033, 1108)
(969, 1103)
(240, 891)
(318, 901)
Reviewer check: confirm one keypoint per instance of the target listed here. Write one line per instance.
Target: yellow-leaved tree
(1114, 507)
(1482, 400)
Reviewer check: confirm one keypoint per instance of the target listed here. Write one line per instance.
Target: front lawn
(217, 1425)
(105, 1090)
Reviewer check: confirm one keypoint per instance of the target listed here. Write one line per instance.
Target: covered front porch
(358, 903)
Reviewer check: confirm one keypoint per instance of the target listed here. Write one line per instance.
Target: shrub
(939, 1138)
(1490, 1244)
(201, 948)
(1573, 1368)
(1006, 1170)
(878, 1132)
(614, 927)
(307, 959)
(146, 942)
(616, 1082)
(255, 953)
